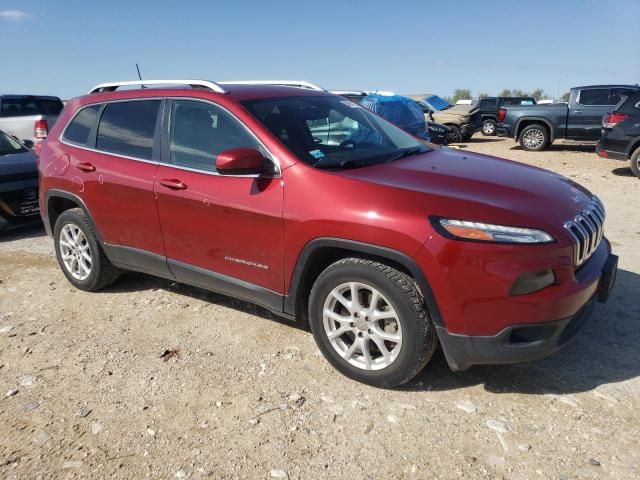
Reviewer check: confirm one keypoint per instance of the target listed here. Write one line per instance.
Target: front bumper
(18, 204)
(523, 342)
(470, 128)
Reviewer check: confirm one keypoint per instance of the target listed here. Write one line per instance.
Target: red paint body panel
(218, 219)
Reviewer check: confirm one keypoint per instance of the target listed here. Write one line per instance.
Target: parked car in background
(18, 184)
(490, 106)
(438, 133)
(579, 121)
(463, 120)
(384, 248)
(621, 132)
(29, 117)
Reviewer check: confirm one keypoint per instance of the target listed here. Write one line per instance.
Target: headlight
(486, 232)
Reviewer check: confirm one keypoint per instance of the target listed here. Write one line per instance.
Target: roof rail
(111, 86)
(286, 83)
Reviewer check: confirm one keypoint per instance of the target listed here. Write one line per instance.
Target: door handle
(173, 184)
(85, 167)
(577, 111)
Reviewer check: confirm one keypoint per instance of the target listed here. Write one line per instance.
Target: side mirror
(240, 161)
(28, 143)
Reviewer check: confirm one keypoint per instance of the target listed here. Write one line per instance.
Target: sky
(63, 47)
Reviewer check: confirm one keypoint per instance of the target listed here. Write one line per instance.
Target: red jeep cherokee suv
(282, 194)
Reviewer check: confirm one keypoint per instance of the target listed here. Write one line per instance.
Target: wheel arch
(319, 253)
(526, 121)
(57, 202)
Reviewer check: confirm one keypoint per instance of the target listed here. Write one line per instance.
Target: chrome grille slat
(587, 230)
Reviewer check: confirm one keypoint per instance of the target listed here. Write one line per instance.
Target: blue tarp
(401, 111)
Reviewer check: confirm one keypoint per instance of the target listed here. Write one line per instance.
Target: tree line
(538, 94)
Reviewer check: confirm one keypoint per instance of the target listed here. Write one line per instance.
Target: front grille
(587, 230)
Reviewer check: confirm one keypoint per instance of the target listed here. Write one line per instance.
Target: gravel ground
(85, 390)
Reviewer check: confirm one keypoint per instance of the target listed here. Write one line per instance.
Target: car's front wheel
(489, 127)
(370, 322)
(79, 254)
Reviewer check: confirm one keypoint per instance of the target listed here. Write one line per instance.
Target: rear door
(585, 115)
(113, 162)
(220, 231)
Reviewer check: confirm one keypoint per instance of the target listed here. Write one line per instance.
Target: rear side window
(199, 131)
(594, 96)
(127, 128)
(30, 105)
(80, 127)
(487, 103)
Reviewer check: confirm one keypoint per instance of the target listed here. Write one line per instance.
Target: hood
(17, 163)
(460, 110)
(471, 186)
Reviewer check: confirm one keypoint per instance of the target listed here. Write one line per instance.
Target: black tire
(467, 137)
(635, 162)
(418, 336)
(456, 135)
(534, 138)
(102, 273)
(489, 127)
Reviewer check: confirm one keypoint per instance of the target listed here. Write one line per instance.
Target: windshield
(330, 131)
(436, 103)
(9, 145)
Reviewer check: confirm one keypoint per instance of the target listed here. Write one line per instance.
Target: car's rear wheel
(489, 127)
(635, 162)
(370, 322)
(79, 254)
(534, 137)
(456, 134)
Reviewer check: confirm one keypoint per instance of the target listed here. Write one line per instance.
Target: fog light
(533, 282)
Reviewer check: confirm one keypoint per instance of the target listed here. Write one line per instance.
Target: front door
(220, 232)
(585, 117)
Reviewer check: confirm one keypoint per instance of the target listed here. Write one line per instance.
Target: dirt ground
(84, 391)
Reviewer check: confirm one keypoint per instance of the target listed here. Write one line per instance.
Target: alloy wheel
(362, 326)
(488, 128)
(75, 251)
(533, 138)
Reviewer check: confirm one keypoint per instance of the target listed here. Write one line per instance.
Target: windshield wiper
(344, 164)
(407, 153)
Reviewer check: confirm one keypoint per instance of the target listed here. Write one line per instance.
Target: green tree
(505, 93)
(538, 94)
(565, 97)
(461, 94)
(483, 95)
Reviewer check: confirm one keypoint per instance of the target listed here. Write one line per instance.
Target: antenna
(139, 75)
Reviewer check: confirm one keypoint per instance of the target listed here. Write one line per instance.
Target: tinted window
(127, 128)
(29, 105)
(594, 96)
(199, 131)
(80, 127)
(488, 103)
(615, 95)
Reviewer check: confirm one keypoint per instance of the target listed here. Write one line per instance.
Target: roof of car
(610, 86)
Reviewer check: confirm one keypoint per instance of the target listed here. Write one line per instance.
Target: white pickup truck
(28, 117)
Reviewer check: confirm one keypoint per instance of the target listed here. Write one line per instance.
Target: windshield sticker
(316, 154)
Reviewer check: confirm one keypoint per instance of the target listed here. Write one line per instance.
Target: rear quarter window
(79, 129)
(127, 128)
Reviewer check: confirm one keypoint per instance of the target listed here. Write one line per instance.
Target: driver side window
(199, 131)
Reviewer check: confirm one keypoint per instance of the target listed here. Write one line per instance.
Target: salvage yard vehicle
(437, 133)
(463, 120)
(29, 117)
(490, 106)
(621, 132)
(579, 121)
(384, 247)
(18, 184)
